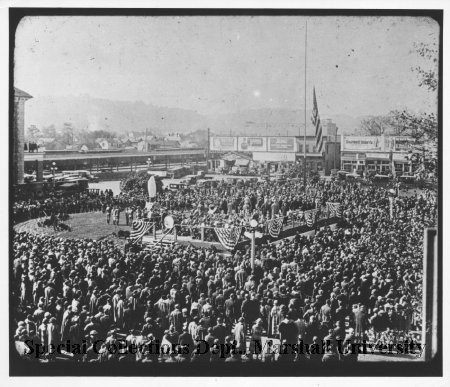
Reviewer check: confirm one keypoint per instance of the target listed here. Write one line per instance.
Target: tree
(67, 133)
(33, 133)
(375, 125)
(423, 127)
(49, 131)
(428, 71)
(135, 184)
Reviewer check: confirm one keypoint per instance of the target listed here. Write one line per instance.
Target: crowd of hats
(363, 278)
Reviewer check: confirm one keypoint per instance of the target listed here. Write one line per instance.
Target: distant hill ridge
(85, 112)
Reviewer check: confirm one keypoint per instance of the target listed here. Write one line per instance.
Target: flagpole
(304, 137)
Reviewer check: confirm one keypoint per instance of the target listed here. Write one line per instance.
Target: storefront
(378, 163)
(353, 162)
(376, 155)
(403, 166)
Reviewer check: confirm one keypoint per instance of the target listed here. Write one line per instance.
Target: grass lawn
(90, 225)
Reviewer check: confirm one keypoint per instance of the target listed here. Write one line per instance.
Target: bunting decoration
(228, 237)
(310, 217)
(139, 228)
(275, 226)
(334, 209)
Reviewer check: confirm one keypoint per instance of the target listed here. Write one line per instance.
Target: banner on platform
(228, 237)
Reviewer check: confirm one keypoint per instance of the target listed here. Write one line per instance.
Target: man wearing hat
(240, 335)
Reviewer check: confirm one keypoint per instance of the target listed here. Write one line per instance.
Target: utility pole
(304, 138)
(253, 225)
(145, 141)
(207, 151)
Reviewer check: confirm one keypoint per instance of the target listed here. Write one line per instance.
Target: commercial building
(377, 154)
(280, 149)
(18, 132)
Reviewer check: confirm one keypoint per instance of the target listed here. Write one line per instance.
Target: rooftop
(21, 94)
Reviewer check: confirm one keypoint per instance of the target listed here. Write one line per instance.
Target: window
(300, 148)
(307, 148)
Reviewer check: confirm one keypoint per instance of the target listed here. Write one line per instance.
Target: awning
(68, 185)
(242, 163)
(348, 156)
(400, 158)
(378, 156)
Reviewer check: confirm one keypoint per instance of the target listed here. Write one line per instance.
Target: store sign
(362, 143)
(282, 144)
(402, 143)
(223, 144)
(252, 144)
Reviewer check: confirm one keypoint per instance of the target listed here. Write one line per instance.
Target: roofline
(21, 94)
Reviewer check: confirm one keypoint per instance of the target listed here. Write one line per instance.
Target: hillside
(87, 113)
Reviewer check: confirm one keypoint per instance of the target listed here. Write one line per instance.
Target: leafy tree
(33, 133)
(423, 127)
(67, 133)
(428, 72)
(135, 184)
(375, 125)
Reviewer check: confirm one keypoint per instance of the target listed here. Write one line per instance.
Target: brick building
(20, 97)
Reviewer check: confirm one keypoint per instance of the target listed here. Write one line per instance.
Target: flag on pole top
(317, 124)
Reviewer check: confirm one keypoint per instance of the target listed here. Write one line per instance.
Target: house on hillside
(129, 144)
(135, 136)
(173, 137)
(103, 143)
(85, 148)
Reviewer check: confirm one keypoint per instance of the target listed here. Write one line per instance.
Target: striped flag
(138, 229)
(316, 122)
(310, 217)
(334, 209)
(228, 237)
(275, 226)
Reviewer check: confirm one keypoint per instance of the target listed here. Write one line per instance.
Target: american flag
(138, 229)
(310, 217)
(228, 236)
(334, 209)
(275, 226)
(316, 122)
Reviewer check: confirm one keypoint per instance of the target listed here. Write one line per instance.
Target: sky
(217, 65)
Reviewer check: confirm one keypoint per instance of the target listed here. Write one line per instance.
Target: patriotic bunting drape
(310, 217)
(335, 209)
(228, 237)
(138, 229)
(275, 226)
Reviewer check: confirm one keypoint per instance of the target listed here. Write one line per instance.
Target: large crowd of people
(359, 280)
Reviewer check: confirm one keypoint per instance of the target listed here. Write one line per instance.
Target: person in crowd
(363, 276)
